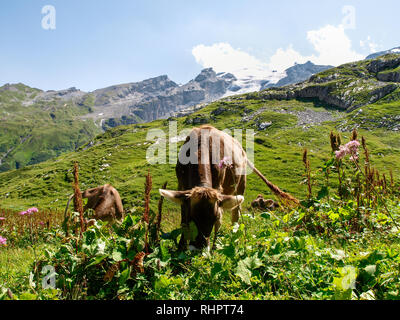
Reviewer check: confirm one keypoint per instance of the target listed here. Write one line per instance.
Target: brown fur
(262, 204)
(205, 188)
(105, 201)
(205, 193)
(207, 184)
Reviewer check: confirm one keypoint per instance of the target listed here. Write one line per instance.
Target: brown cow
(206, 187)
(261, 203)
(104, 200)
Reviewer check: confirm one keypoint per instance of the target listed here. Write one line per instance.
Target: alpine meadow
(323, 225)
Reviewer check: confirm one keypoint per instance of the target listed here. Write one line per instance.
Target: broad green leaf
(337, 254)
(162, 283)
(253, 262)
(266, 215)
(117, 256)
(243, 272)
(89, 237)
(347, 279)
(369, 295)
(229, 251)
(176, 233)
(128, 222)
(371, 269)
(217, 268)
(165, 255)
(97, 260)
(27, 296)
(124, 275)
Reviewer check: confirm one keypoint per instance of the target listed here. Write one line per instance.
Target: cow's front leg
(183, 245)
(217, 226)
(236, 215)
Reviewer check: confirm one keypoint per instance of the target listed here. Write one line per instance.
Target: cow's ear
(174, 196)
(231, 202)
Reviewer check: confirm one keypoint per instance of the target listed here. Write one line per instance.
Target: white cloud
(249, 70)
(331, 45)
(222, 57)
(283, 59)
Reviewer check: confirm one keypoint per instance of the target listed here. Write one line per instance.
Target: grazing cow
(261, 203)
(205, 187)
(208, 183)
(104, 200)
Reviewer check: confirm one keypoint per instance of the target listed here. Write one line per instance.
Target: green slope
(119, 155)
(34, 130)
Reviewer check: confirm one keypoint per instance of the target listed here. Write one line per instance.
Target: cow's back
(217, 145)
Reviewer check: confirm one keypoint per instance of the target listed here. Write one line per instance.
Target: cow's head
(94, 192)
(203, 206)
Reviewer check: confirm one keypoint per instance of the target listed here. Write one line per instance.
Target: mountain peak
(207, 73)
(381, 53)
(298, 73)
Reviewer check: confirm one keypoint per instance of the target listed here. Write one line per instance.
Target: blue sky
(101, 43)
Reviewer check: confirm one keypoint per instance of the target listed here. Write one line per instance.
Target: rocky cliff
(37, 125)
(155, 98)
(347, 87)
(160, 97)
(298, 73)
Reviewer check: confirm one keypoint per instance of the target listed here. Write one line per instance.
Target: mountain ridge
(284, 121)
(38, 125)
(381, 53)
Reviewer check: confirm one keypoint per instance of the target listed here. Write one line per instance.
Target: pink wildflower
(2, 218)
(3, 241)
(354, 157)
(350, 148)
(29, 211)
(341, 153)
(353, 147)
(32, 210)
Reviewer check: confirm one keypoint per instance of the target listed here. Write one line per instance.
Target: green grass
(16, 264)
(34, 133)
(288, 270)
(40, 131)
(303, 254)
(119, 156)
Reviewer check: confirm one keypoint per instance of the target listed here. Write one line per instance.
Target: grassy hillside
(119, 155)
(283, 129)
(34, 129)
(333, 246)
